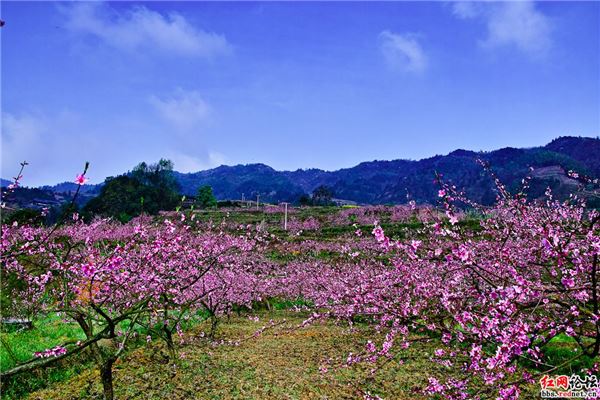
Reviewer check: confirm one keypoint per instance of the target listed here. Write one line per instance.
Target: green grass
(281, 363)
(563, 348)
(47, 333)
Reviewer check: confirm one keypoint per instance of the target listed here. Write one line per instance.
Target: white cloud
(185, 110)
(216, 159)
(21, 137)
(512, 23)
(187, 163)
(402, 51)
(186, 114)
(141, 28)
(465, 9)
(42, 141)
(57, 146)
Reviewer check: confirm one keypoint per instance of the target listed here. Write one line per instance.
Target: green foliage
(205, 197)
(322, 196)
(148, 189)
(25, 216)
(563, 350)
(9, 282)
(305, 200)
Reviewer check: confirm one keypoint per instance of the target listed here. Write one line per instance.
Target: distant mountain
(397, 181)
(71, 187)
(585, 150)
(243, 180)
(382, 182)
(48, 196)
(36, 198)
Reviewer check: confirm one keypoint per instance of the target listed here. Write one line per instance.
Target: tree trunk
(213, 325)
(170, 344)
(107, 379)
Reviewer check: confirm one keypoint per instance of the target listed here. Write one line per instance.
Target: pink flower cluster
(53, 352)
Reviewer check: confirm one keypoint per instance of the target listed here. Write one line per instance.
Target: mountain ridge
(399, 180)
(391, 181)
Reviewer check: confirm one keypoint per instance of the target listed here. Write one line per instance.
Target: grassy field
(281, 363)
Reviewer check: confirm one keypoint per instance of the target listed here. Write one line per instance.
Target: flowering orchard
(491, 296)
(110, 278)
(495, 297)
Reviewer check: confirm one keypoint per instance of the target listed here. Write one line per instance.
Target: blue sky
(291, 85)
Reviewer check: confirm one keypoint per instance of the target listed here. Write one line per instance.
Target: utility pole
(242, 199)
(257, 199)
(285, 217)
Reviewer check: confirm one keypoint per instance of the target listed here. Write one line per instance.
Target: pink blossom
(53, 352)
(80, 179)
(568, 282)
(378, 233)
(370, 347)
